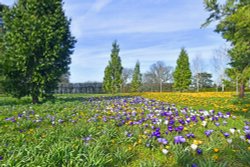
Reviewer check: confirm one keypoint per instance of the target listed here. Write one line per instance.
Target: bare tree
(220, 61)
(127, 74)
(197, 68)
(159, 73)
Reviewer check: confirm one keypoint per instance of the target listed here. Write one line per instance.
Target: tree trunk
(223, 87)
(35, 99)
(242, 90)
(197, 85)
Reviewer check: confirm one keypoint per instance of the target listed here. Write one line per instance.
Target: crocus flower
(1, 158)
(246, 128)
(217, 124)
(194, 165)
(232, 130)
(86, 139)
(229, 141)
(179, 139)
(208, 132)
(226, 134)
(194, 146)
(199, 151)
(60, 121)
(189, 135)
(170, 128)
(164, 151)
(204, 123)
(162, 140)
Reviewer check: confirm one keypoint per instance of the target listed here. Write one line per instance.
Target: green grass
(30, 143)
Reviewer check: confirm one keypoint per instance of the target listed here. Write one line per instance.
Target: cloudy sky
(146, 30)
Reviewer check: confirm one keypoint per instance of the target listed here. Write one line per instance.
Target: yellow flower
(197, 142)
(215, 157)
(167, 147)
(244, 110)
(216, 150)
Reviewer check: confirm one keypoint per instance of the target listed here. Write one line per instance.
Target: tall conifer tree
(182, 73)
(137, 78)
(113, 72)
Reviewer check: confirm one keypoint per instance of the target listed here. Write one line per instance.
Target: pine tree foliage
(136, 82)
(113, 72)
(182, 74)
(38, 44)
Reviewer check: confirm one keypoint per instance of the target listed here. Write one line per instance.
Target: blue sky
(146, 30)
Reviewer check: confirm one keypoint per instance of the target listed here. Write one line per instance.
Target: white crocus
(229, 141)
(164, 151)
(232, 130)
(204, 123)
(194, 146)
(243, 137)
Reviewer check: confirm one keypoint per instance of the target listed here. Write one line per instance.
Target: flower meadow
(121, 131)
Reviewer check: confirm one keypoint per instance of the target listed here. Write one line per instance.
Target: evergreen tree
(37, 47)
(233, 22)
(1, 45)
(182, 73)
(137, 78)
(107, 79)
(113, 73)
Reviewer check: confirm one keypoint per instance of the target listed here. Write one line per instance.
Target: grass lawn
(147, 129)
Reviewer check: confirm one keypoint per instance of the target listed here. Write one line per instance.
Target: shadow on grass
(88, 97)
(7, 100)
(59, 98)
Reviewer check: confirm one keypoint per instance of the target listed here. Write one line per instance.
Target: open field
(153, 129)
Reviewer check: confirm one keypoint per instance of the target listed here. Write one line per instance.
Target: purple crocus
(199, 151)
(1, 158)
(208, 132)
(246, 128)
(189, 135)
(12, 119)
(202, 118)
(226, 134)
(181, 121)
(193, 118)
(170, 128)
(247, 132)
(60, 121)
(162, 140)
(194, 165)
(179, 139)
(217, 124)
(179, 128)
(171, 122)
(156, 134)
(87, 139)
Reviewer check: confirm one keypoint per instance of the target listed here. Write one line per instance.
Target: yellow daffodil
(216, 150)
